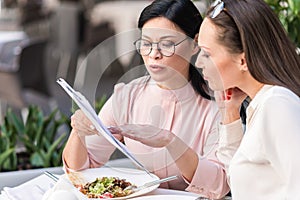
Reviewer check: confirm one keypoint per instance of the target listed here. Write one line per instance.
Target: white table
(42, 183)
(123, 18)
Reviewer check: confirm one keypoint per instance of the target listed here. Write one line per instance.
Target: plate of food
(114, 183)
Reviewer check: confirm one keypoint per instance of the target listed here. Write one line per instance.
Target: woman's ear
(196, 38)
(243, 63)
(195, 46)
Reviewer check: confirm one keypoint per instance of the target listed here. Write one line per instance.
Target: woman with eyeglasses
(167, 118)
(245, 52)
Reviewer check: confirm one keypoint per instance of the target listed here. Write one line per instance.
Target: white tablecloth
(123, 18)
(36, 188)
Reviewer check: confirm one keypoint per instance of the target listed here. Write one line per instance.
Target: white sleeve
(230, 139)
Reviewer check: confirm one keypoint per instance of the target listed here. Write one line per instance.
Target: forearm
(196, 169)
(230, 138)
(185, 158)
(75, 153)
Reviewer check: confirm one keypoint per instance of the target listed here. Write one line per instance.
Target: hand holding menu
(89, 111)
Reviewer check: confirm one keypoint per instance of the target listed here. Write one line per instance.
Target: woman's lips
(205, 77)
(155, 68)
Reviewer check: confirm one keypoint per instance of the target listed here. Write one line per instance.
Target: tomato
(108, 195)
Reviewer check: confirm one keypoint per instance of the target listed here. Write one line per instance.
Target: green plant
(99, 103)
(39, 135)
(288, 12)
(8, 141)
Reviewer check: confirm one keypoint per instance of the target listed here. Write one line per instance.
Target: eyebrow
(206, 49)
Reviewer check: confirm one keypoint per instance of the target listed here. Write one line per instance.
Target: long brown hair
(250, 26)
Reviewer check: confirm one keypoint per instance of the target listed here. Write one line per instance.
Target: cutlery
(149, 184)
(52, 176)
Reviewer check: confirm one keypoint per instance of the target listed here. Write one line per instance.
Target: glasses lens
(166, 47)
(143, 47)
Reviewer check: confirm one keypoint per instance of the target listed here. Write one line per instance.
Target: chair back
(32, 65)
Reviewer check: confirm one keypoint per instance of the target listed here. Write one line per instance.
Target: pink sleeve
(99, 149)
(210, 177)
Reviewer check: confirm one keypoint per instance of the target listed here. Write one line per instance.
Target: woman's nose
(199, 63)
(155, 52)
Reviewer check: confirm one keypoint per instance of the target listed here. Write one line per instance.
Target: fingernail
(92, 127)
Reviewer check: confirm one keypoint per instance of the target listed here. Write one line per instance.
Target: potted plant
(288, 12)
(34, 142)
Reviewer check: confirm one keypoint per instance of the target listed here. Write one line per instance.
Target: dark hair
(250, 26)
(185, 15)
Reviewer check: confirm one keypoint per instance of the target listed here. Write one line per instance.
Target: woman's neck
(172, 84)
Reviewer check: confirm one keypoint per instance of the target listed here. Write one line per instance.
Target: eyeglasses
(219, 6)
(165, 47)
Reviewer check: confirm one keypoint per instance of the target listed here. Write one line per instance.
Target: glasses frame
(158, 46)
(219, 6)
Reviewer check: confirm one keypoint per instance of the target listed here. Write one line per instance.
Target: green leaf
(36, 159)
(4, 155)
(54, 146)
(15, 121)
(8, 159)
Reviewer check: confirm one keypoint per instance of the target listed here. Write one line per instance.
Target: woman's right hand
(81, 125)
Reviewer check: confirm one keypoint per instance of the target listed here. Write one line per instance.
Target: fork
(149, 184)
(52, 176)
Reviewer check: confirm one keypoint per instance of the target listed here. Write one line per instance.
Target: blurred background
(89, 43)
(41, 40)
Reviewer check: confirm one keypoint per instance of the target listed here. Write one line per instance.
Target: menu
(89, 111)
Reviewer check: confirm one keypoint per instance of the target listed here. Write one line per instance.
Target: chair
(31, 61)
(28, 83)
(7, 55)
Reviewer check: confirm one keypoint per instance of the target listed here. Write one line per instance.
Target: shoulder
(135, 84)
(281, 96)
(126, 93)
(278, 102)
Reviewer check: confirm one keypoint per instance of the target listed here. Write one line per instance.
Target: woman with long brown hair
(245, 52)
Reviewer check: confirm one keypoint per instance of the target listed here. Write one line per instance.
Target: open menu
(89, 111)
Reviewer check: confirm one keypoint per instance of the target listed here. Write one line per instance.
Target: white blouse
(264, 162)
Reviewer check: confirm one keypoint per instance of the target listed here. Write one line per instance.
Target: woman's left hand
(146, 134)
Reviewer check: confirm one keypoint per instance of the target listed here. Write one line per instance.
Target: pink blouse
(188, 115)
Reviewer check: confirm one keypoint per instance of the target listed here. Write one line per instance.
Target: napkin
(64, 190)
(24, 192)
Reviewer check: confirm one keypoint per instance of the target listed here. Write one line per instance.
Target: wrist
(230, 116)
(77, 137)
(176, 148)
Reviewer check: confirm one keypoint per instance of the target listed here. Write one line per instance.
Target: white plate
(166, 197)
(134, 176)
